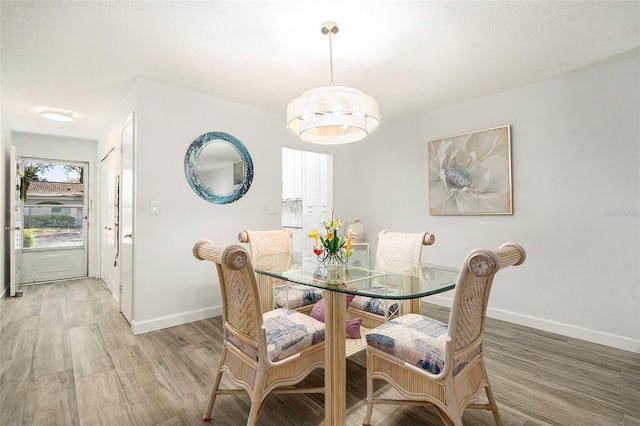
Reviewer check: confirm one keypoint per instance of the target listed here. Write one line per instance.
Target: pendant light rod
(330, 28)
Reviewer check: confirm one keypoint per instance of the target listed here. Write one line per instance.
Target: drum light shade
(333, 114)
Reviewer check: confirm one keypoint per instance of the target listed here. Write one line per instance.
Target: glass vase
(336, 269)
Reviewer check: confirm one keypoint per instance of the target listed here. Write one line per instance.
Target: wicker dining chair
(441, 364)
(262, 353)
(397, 253)
(273, 250)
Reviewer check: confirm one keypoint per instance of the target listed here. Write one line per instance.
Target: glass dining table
(359, 278)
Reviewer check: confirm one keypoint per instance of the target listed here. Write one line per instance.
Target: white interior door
(15, 228)
(127, 229)
(109, 242)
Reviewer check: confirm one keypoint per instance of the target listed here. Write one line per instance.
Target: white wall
(576, 185)
(69, 149)
(170, 285)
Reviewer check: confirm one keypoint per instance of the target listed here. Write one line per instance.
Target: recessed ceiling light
(57, 114)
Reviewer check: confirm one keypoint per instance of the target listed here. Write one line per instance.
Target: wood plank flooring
(67, 357)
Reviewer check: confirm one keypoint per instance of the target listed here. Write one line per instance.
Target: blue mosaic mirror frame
(195, 179)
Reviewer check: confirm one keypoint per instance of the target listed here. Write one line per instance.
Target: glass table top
(367, 278)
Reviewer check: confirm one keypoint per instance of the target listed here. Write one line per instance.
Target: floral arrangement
(331, 246)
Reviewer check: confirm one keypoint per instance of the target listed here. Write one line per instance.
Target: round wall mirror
(218, 167)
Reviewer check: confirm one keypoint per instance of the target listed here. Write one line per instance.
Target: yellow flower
(313, 233)
(337, 223)
(329, 236)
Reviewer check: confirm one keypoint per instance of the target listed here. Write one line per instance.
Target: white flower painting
(470, 174)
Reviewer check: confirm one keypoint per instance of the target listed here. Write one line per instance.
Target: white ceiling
(414, 56)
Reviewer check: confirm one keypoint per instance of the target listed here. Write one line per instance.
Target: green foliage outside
(28, 240)
(49, 221)
(38, 171)
(32, 171)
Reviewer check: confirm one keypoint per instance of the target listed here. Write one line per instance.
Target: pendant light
(333, 114)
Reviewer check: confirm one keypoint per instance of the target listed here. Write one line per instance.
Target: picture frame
(470, 173)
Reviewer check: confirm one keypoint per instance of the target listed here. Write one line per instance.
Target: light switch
(272, 208)
(153, 207)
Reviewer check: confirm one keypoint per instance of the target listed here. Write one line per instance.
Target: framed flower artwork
(470, 174)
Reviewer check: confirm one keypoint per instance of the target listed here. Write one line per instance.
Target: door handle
(9, 228)
(126, 236)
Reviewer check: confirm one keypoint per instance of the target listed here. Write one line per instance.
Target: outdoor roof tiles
(54, 189)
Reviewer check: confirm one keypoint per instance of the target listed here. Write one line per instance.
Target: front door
(54, 220)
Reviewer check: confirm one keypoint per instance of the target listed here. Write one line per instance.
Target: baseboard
(594, 336)
(140, 327)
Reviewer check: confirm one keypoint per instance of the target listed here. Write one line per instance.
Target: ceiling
(414, 56)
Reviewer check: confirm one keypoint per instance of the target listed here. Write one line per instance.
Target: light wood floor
(67, 357)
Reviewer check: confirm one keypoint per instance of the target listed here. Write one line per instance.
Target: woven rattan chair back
(401, 252)
(241, 310)
(471, 294)
(272, 250)
(269, 246)
(397, 253)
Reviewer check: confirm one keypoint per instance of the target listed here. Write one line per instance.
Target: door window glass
(53, 196)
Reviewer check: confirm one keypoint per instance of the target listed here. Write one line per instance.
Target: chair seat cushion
(413, 338)
(289, 332)
(375, 306)
(292, 295)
